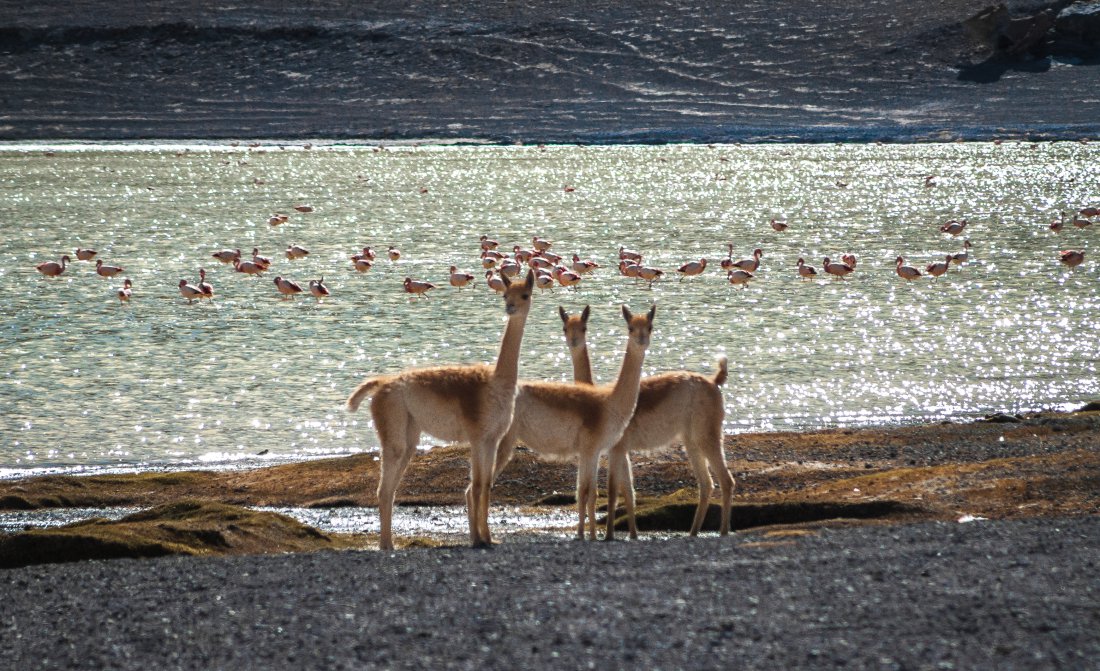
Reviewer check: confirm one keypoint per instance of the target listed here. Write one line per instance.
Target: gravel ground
(983, 595)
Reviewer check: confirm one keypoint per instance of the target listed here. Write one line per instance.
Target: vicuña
(563, 421)
(678, 405)
(472, 403)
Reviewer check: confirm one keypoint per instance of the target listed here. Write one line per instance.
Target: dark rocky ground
(551, 71)
(988, 595)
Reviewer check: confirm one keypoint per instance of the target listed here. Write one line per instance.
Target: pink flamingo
(53, 268)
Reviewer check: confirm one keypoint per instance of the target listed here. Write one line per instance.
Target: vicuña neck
(507, 366)
(582, 367)
(624, 396)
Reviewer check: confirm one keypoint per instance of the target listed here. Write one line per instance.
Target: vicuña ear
(652, 313)
(564, 314)
(504, 278)
(626, 314)
(530, 279)
(584, 314)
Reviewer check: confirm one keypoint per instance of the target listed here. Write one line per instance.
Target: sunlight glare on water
(88, 381)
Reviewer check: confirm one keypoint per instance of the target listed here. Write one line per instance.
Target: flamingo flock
(552, 269)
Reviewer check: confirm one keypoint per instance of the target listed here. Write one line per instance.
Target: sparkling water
(250, 377)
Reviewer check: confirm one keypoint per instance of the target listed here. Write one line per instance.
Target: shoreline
(1035, 464)
(256, 461)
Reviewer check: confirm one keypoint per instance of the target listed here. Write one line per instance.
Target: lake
(251, 378)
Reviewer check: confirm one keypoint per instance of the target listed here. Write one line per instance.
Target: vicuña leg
(399, 436)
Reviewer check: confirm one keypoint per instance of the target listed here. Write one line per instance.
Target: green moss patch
(182, 528)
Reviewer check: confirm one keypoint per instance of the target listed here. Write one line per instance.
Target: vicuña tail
(722, 373)
(363, 391)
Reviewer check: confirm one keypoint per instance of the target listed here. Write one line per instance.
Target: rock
(1002, 418)
(1077, 30)
(1091, 406)
(998, 31)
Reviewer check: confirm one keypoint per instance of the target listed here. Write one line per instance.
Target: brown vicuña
(675, 405)
(471, 403)
(562, 421)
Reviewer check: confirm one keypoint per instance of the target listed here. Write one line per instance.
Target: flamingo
(1071, 257)
(104, 270)
(486, 243)
(585, 266)
(287, 287)
(393, 253)
(459, 279)
(778, 225)
(494, 282)
(649, 274)
(53, 268)
(566, 277)
(205, 287)
(85, 254)
(937, 269)
(929, 181)
(261, 261)
(227, 256)
(544, 280)
(629, 255)
(1089, 211)
(906, 272)
(629, 268)
(540, 244)
(838, 270)
(318, 288)
(1081, 223)
(296, 252)
(362, 265)
(692, 268)
(367, 254)
(522, 255)
(739, 277)
(953, 227)
(1058, 225)
(509, 268)
(804, 271)
(750, 264)
(540, 263)
(189, 291)
(850, 259)
(963, 256)
(303, 208)
(126, 291)
(727, 263)
(550, 256)
(248, 267)
(277, 219)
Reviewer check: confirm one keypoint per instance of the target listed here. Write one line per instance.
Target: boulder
(995, 29)
(1077, 29)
